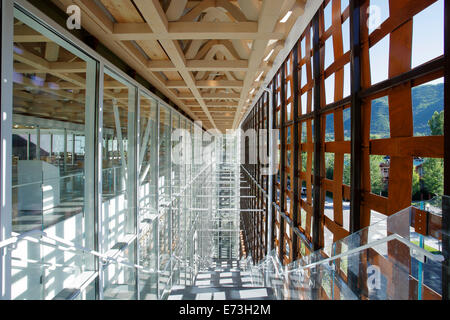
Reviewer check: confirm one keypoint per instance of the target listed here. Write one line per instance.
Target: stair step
(221, 293)
(223, 280)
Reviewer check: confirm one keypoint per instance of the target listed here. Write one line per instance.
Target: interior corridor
(225, 149)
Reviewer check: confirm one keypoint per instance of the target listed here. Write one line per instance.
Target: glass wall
(118, 185)
(52, 154)
(98, 206)
(148, 196)
(164, 198)
(175, 209)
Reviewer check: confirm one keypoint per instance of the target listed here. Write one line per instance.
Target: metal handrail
(423, 252)
(431, 256)
(47, 240)
(269, 259)
(81, 174)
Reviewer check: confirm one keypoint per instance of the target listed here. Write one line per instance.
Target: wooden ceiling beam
(205, 84)
(97, 14)
(217, 65)
(197, 66)
(192, 3)
(24, 33)
(99, 24)
(215, 95)
(156, 19)
(223, 120)
(197, 10)
(176, 84)
(43, 65)
(193, 30)
(176, 9)
(161, 65)
(213, 111)
(221, 117)
(268, 19)
(216, 104)
(221, 95)
(217, 84)
(200, 65)
(45, 87)
(111, 84)
(65, 67)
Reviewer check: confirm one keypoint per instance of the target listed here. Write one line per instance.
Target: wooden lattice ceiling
(206, 56)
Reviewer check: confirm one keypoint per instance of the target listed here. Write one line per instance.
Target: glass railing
(46, 267)
(51, 245)
(402, 257)
(49, 195)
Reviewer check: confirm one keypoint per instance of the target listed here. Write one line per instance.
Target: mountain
(426, 99)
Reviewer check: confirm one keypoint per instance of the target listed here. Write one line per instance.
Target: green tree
(376, 179)
(329, 165)
(347, 173)
(436, 124)
(415, 182)
(433, 173)
(304, 161)
(433, 169)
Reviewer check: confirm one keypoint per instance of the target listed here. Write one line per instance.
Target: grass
(428, 248)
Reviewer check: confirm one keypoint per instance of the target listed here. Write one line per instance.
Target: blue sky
(428, 42)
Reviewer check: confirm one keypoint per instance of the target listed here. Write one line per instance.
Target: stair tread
(222, 293)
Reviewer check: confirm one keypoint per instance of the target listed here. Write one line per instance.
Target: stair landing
(224, 280)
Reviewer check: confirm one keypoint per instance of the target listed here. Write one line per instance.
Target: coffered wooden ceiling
(206, 56)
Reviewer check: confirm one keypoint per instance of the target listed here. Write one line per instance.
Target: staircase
(387, 260)
(223, 280)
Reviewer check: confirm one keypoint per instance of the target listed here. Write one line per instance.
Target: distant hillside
(426, 100)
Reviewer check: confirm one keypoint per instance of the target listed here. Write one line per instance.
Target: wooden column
(296, 143)
(446, 201)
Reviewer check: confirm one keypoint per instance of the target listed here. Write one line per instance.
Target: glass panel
(428, 108)
(396, 258)
(164, 197)
(176, 154)
(164, 156)
(148, 258)
(148, 160)
(433, 18)
(53, 104)
(119, 225)
(120, 279)
(148, 197)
